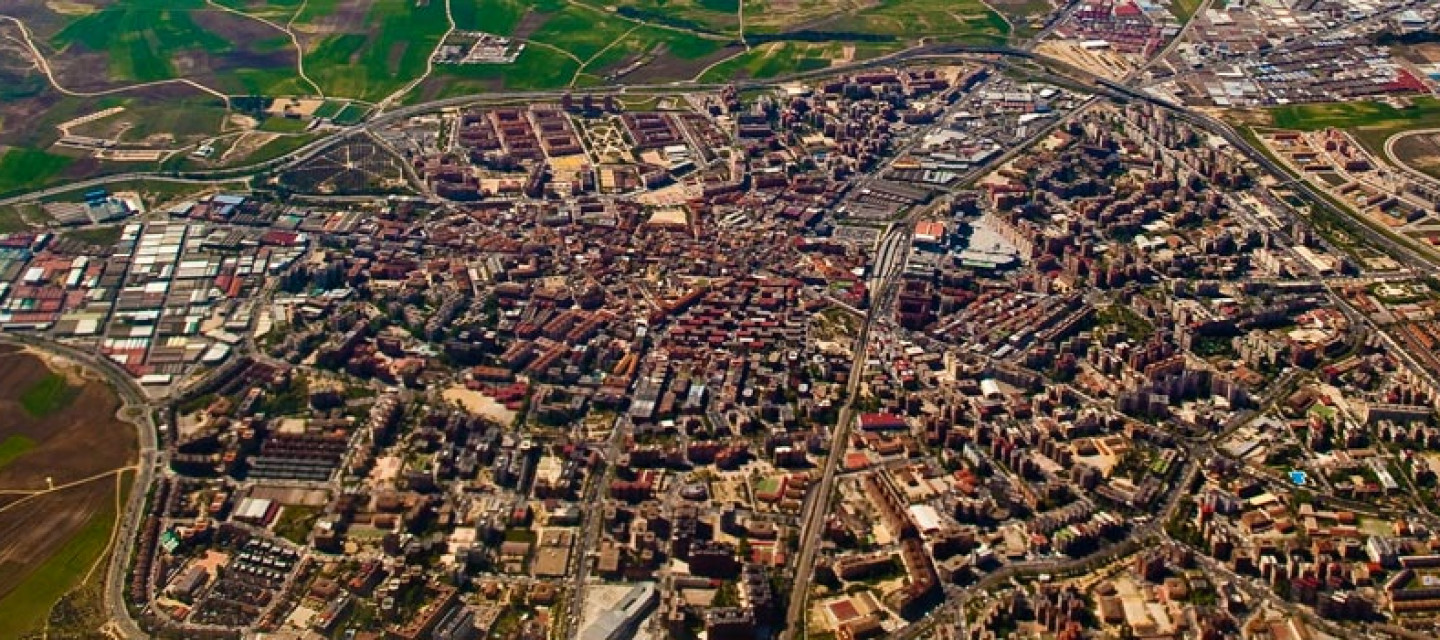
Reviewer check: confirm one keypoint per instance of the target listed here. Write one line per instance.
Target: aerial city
(720, 319)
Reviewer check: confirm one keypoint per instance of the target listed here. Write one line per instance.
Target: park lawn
(26, 608)
(28, 169)
(1371, 122)
(48, 395)
(13, 447)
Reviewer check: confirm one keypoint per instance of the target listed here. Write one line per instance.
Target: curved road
(1395, 160)
(133, 401)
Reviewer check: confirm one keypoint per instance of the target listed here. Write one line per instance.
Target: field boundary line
(28, 493)
(575, 78)
(44, 66)
(294, 40)
(429, 65)
(114, 530)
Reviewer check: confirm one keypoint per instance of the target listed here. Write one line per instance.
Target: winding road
(1394, 159)
(44, 66)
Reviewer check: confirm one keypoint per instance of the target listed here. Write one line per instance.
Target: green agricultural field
(391, 47)
(714, 17)
(583, 32)
(13, 447)
(47, 396)
(25, 608)
(969, 21)
(27, 169)
(277, 10)
(329, 109)
(350, 114)
(498, 16)
(153, 40)
(185, 123)
(784, 58)
(279, 147)
(142, 37)
(1371, 122)
(650, 42)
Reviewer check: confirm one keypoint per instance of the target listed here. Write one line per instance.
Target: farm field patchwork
(50, 539)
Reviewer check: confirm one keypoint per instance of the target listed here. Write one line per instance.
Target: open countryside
(61, 452)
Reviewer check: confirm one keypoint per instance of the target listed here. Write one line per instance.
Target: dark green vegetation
(13, 447)
(48, 395)
(376, 56)
(1184, 9)
(153, 40)
(25, 169)
(295, 522)
(969, 21)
